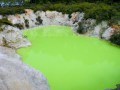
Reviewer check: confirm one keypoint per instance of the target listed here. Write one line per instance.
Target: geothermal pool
(72, 62)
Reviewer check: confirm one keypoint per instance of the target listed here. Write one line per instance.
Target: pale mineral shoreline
(32, 19)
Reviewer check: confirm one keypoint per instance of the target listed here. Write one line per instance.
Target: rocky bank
(31, 19)
(15, 75)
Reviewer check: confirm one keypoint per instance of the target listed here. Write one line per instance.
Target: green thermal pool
(72, 62)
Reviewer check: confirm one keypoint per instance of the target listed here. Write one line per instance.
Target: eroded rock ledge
(15, 75)
(76, 20)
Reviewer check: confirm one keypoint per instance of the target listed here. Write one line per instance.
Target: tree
(32, 1)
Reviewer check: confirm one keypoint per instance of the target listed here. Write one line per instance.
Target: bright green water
(72, 62)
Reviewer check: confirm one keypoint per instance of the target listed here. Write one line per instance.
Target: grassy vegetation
(99, 11)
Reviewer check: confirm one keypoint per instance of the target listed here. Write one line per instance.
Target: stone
(76, 20)
(28, 11)
(107, 34)
(12, 37)
(12, 19)
(100, 29)
(15, 75)
(77, 16)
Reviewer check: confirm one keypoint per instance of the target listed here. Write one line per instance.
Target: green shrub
(80, 30)
(58, 7)
(39, 20)
(11, 10)
(115, 38)
(98, 11)
(19, 26)
(27, 23)
(1, 29)
(5, 21)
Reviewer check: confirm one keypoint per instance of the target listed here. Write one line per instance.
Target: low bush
(27, 23)
(99, 11)
(115, 38)
(11, 10)
(39, 20)
(19, 26)
(5, 21)
(81, 29)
